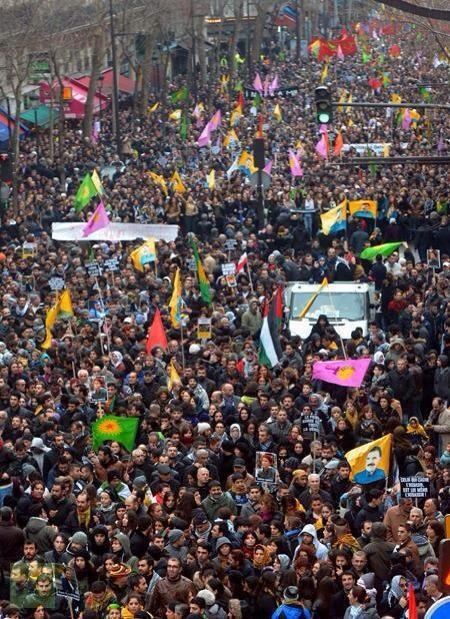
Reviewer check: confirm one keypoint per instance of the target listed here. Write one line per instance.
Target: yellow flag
(177, 183)
(97, 182)
(175, 115)
(173, 376)
(324, 74)
(159, 180)
(386, 150)
(152, 108)
(48, 339)
(342, 99)
(370, 462)
(235, 115)
(348, 110)
(335, 219)
(65, 304)
(313, 298)
(143, 254)
(230, 138)
(363, 208)
(211, 179)
(396, 98)
(175, 300)
(277, 113)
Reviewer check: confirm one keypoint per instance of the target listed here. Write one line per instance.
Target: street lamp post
(115, 82)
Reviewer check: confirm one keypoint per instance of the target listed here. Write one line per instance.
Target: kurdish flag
(98, 220)
(180, 95)
(370, 463)
(112, 428)
(345, 372)
(335, 219)
(269, 340)
(363, 208)
(86, 191)
(203, 283)
(173, 376)
(61, 309)
(385, 250)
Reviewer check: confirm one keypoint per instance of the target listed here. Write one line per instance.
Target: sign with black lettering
(230, 244)
(311, 423)
(111, 264)
(289, 91)
(414, 487)
(56, 283)
(93, 269)
(229, 268)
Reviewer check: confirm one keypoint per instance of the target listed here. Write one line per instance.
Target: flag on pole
(175, 115)
(65, 308)
(97, 182)
(396, 98)
(257, 84)
(268, 167)
(97, 221)
(344, 372)
(180, 95)
(363, 208)
(156, 336)
(242, 263)
(177, 183)
(203, 283)
(338, 144)
(274, 85)
(324, 73)
(233, 167)
(277, 113)
(406, 119)
(322, 147)
(159, 180)
(173, 376)
(340, 53)
(86, 191)
(211, 179)
(270, 352)
(386, 249)
(112, 428)
(152, 108)
(61, 309)
(412, 606)
(205, 136)
(215, 120)
(370, 462)
(312, 298)
(294, 164)
(144, 254)
(175, 300)
(335, 219)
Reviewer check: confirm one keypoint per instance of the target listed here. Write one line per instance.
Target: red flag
(394, 50)
(241, 100)
(260, 125)
(338, 144)
(412, 607)
(374, 83)
(156, 335)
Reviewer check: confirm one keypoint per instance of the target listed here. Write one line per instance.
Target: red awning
(75, 107)
(125, 84)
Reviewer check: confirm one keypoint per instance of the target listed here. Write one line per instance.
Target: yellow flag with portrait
(370, 463)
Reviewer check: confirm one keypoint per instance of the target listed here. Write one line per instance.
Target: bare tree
(238, 10)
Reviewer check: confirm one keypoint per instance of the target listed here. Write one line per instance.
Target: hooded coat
(41, 533)
(321, 549)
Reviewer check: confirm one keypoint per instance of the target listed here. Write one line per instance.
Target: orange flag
(338, 144)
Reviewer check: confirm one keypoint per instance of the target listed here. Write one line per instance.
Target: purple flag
(98, 220)
(274, 85)
(406, 122)
(321, 147)
(268, 167)
(257, 84)
(205, 136)
(215, 121)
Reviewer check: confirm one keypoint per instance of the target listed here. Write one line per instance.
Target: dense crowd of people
(189, 524)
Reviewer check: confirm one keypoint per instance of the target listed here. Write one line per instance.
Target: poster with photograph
(37, 583)
(433, 258)
(266, 468)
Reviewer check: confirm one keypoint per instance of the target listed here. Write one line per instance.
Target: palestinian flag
(269, 340)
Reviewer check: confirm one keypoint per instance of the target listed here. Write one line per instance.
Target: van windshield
(347, 305)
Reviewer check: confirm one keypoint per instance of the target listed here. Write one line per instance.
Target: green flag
(180, 95)
(203, 283)
(183, 127)
(239, 87)
(111, 428)
(257, 100)
(386, 249)
(425, 93)
(86, 191)
(365, 57)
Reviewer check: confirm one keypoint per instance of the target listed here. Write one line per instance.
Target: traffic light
(444, 566)
(324, 109)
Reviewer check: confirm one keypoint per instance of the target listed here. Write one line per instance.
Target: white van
(347, 306)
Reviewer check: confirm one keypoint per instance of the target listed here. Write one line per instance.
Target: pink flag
(98, 220)
(266, 86)
(205, 136)
(440, 144)
(274, 85)
(95, 133)
(321, 147)
(268, 167)
(406, 122)
(257, 84)
(294, 163)
(340, 53)
(215, 121)
(345, 372)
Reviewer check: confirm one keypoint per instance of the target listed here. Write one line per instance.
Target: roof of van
(331, 288)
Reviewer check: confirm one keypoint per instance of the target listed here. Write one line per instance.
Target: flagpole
(182, 343)
(250, 277)
(102, 304)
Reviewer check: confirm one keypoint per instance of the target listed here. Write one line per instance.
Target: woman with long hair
(322, 604)
(435, 533)
(266, 598)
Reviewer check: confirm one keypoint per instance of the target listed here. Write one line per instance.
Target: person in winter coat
(11, 539)
(38, 529)
(439, 423)
(291, 608)
(120, 547)
(442, 378)
(361, 607)
(379, 552)
(217, 499)
(308, 537)
(395, 598)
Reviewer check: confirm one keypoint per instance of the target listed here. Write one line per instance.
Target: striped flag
(270, 351)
